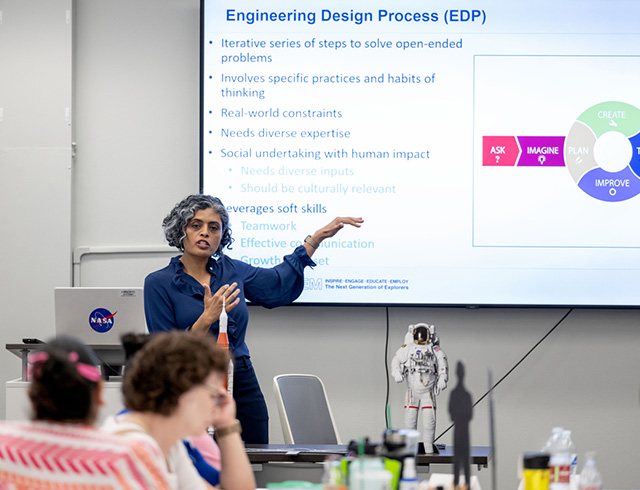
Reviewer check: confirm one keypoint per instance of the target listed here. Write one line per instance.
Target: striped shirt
(51, 456)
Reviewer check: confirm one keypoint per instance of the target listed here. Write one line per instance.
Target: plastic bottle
(555, 433)
(559, 461)
(590, 478)
(333, 478)
(409, 480)
(568, 442)
(369, 474)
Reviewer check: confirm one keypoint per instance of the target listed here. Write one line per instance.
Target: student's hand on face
(225, 410)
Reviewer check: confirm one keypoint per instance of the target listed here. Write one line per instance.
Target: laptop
(99, 316)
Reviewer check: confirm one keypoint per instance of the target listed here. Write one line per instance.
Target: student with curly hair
(173, 389)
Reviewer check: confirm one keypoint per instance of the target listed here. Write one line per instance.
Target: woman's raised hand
(213, 305)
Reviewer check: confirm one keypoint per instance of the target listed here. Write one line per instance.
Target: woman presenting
(188, 293)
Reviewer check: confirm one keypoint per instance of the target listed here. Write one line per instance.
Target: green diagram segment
(612, 116)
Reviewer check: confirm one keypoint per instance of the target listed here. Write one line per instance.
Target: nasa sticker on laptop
(102, 320)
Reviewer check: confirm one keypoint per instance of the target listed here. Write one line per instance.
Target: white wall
(35, 168)
(136, 126)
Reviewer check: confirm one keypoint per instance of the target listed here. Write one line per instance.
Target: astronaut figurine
(423, 364)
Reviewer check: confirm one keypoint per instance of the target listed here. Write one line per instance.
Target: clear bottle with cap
(333, 478)
(568, 442)
(369, 474)
(559, 461)
(409, 479)
(556, 432)
(590, 478)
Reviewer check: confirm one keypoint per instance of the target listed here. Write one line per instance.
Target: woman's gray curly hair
(175, 223)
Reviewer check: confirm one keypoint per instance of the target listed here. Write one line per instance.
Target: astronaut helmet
(421, 334)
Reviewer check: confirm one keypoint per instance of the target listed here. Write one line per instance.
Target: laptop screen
(99, 316)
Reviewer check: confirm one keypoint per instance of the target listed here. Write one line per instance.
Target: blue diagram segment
(635, 157)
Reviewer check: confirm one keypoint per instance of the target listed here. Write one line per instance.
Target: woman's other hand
(328, 231)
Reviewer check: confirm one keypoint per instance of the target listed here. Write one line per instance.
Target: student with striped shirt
(60, 449)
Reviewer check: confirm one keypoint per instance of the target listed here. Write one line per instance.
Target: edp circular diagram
(601, 151)
(600, 121)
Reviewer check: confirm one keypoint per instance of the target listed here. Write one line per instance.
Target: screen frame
(203, 5)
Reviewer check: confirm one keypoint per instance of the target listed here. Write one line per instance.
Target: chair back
(303, 406)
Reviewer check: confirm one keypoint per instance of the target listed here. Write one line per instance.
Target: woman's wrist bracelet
(311, 242)
(229, 429)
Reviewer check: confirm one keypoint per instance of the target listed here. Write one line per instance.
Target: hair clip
(36, 357)
(87, 371)
(33, 359)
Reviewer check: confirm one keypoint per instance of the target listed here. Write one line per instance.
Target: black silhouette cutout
(461, 412)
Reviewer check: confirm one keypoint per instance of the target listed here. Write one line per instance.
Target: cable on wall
(512, 369)
(495, 385)
(387, 418)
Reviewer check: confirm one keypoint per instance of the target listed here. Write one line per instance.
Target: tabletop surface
(264, 453)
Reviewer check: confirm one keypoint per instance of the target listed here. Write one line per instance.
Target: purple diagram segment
(541, 151)
(610, 186)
